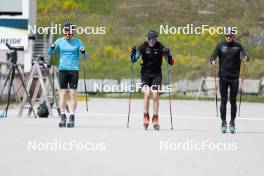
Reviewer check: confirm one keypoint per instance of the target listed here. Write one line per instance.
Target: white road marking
(103, 115)
(167, 116)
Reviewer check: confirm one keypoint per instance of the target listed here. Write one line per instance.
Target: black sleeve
(243, 53)
(216, 53)
(141, 49)
(162, 47)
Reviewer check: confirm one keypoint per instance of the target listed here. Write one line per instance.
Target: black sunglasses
(230, 36)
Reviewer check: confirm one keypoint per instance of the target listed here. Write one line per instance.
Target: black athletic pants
(233, 85)
(68, 78)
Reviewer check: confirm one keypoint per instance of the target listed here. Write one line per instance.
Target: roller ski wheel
(155, 121)
(62, 122)
(156, 127)
(223, 127)
(2, 116)
(146, 121)
(232, 127)
(70, 123)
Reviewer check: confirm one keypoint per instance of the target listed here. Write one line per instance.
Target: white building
(15, 16)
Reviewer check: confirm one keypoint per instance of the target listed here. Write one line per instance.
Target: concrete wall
(199, 87)
(203, 87)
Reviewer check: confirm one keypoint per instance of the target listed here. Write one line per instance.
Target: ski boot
(62, 122)
(70, 123)
(223, 126)
(155, 122)
(232, 127)
(146, 121)
(2, 116)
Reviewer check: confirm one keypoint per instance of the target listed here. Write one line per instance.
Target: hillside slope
(127, 22)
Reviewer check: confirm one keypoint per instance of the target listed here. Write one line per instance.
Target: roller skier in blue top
(69, 48)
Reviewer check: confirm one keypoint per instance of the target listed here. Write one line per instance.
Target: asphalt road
(101, 145)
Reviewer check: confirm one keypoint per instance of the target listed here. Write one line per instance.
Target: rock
(210, 83)
(92, 85)
(111, 85)
(251, 86)
(125, 84)
(187, 85)
(262, 82)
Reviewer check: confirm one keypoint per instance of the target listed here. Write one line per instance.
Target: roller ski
(232, 127)
(70, 123)
(2, 116)
(62, 122)
(223, 127)
(155, 122)
(146, 121)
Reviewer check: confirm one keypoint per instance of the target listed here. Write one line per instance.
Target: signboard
(19, 37)
(15, 16)
(11, 7)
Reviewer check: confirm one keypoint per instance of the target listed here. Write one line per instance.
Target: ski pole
(85, 89)
(53, 80)
(52, 47)
(241, 88)
(130, 90)
(169, 83)
(216, 89)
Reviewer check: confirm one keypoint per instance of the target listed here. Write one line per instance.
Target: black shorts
(151, 80)
(68, 77)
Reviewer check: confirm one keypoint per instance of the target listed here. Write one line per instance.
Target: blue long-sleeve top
(69, 52)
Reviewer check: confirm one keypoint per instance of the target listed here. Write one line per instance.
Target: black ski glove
(52, 46)
(82, 50)
(166, 52)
